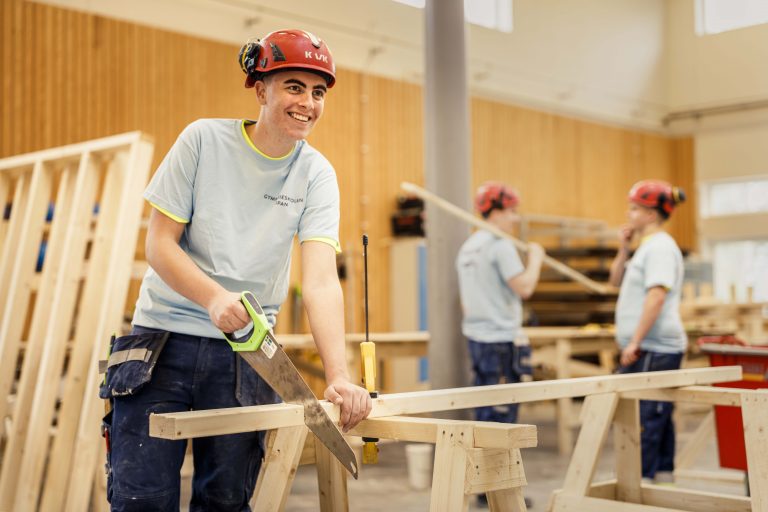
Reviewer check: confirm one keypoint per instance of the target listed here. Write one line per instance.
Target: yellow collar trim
(253, 146)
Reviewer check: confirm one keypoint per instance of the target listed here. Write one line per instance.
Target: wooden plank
(693, 500)
(704, 433)
(450, 469)
(5, 186)
(720, 476)
(507, 500)
(13, 234)
(522, 246)
(754, 411)
(697, 394)
(45, 291)
(82, 347)
(73, 151)
(185, 425)
(109, 318)
(597, 412)
(569, 503)
(38, 416)
(425, 430)
(283, 450)
(493, 470)
(13, 323)
(562, 371)
(626, 442)
(331, 481)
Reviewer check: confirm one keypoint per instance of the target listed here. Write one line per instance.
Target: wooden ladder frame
(79, 302)
(579, 494)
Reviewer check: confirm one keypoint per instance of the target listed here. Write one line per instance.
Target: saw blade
(276, 368)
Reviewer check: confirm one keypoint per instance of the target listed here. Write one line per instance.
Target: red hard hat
(284, 50)
(658, 195)
(492, 195)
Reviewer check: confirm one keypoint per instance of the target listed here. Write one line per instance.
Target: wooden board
(191, 424)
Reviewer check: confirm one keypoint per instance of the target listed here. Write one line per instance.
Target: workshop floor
(385, 487)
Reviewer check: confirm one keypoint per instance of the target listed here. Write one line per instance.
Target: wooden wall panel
(563, 166)
(69, 76)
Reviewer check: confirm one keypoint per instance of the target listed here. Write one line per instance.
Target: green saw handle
(251, 341)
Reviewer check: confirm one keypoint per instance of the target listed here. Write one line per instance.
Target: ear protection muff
(248, 57)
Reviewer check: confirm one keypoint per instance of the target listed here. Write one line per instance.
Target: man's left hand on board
(354, 401)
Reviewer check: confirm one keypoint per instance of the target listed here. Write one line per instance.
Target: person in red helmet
(492, 283)
(227, 201)
(649, 330)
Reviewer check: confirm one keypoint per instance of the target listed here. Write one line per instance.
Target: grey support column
(447, 173)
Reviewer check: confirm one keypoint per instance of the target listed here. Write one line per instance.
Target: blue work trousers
(657, 428)
(491, 362)
(197, 373)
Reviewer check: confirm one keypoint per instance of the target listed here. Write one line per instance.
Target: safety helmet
(283, 50)
(657, 195)
(493, 195)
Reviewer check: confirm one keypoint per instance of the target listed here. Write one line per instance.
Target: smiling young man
(649, 330)
(228, 199)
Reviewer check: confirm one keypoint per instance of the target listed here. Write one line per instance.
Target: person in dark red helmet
(227, 201)
(649, 330)
(492, 283)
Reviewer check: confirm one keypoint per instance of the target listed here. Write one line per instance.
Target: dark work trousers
(491, 362)
(657, 429)
(192, 372)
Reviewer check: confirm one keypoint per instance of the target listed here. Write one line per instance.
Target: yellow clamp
(368, 371)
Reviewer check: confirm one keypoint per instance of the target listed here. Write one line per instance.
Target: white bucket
(419, 459)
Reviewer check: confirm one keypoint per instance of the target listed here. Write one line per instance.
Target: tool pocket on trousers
(131, 361)
(250, 388)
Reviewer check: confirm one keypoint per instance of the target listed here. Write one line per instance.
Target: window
(735, 197)
(715, 16)
(493, 14)
(741, 265)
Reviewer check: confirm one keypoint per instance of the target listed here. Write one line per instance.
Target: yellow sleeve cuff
(169, 214)
(330, 241)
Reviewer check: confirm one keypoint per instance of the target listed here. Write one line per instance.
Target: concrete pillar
(447, 173)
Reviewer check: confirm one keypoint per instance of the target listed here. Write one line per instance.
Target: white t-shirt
(242, 210)
(657, 262)
(492, 311)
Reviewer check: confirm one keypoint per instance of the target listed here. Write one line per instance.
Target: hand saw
(260, 350)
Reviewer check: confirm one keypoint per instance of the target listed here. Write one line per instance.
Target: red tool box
(753, 359)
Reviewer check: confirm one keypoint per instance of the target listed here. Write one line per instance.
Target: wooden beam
(589, 504)
(754, 411)
(493, 470)
(331, 481)
(283, 449)
(597, 412)
(425, 430)
(450, 469)
(687, 455)
(626, 442)
(73, 151)
(184, 425)
(454, 210)
(698, 394)
(693, 500)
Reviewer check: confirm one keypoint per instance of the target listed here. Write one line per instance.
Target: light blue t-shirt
(657, 262)
(242, 210)
(492, 311)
